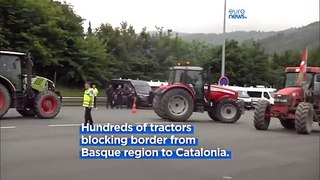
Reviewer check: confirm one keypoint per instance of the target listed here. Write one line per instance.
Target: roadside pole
(224, 41)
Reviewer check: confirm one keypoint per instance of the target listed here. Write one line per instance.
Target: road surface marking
(226, 177)
(8, 127)
(64, 125)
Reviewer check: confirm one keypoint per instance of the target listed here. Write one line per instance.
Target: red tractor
(187, 92)
(294, 107)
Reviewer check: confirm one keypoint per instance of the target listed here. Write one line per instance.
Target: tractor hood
(217, 92)
(290, 91)
(41, 83)
(223, 89)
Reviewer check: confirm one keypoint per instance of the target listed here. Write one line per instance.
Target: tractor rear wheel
(262, 115)
(177, 105)
(287, 123)
(227, 111)
(157, 107)
(5, 100)
(304, 118)
(47, 104)
(27, 112)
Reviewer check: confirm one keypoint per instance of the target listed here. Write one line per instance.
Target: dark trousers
(95, 102)
(125, 101)
(129, 102)
(119, 103)
(87, 116)
(111, 103)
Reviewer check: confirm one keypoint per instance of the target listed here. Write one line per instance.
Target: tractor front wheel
(227, 111)
(304, 118)
(5, 100)
(212, 115)
(287, 123)
(47, 104)
(157, 106)
(262, 115)
(177, 104)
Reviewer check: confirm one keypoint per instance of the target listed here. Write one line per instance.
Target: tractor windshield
(176, 76)
(292, 79)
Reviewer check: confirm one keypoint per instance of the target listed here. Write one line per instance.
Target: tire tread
(259, 121)
(301, 118)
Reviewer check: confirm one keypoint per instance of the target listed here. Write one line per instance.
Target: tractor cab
(13, 66)
(191, 76)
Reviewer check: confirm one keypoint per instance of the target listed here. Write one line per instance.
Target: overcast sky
(198, 16)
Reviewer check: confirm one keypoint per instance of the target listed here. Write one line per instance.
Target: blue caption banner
(194, 142)
(174, 155)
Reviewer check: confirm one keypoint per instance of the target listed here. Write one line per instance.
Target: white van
(243, 95)
(258, 94)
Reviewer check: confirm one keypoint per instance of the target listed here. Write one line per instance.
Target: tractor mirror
(210, 70)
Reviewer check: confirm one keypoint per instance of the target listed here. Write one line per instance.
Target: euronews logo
(237, 14)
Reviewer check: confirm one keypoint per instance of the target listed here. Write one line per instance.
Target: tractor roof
(192, 68)
(13, 53)
(309, 69)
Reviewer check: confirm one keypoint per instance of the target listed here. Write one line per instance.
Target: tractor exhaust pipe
(209, 86)
(29, 72)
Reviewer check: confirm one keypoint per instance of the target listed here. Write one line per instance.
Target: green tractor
(31, 95)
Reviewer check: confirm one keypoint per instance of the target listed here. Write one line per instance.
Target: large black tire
(262, 115)
(27, 112)
(5, 100)
(47, 104)
(177, 104)
(228, 111)
(304, 118)
(287, 123)
(157, 107)
(212, 115)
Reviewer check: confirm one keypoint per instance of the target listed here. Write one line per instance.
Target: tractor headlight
(283, 100)
(280, 100)
(295, 94)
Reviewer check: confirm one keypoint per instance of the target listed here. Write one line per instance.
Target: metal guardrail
(77, 101)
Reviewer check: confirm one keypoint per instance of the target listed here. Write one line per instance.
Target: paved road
(48, 149)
